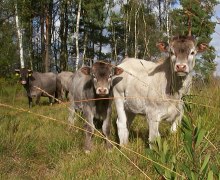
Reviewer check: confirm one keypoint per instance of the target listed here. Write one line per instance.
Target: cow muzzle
(23, 82)
(102, 91)
(181, 69)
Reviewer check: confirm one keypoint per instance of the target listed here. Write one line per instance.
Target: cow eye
(192, 53)
(110, 75)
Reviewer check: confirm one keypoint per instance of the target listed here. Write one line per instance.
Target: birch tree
(19, 32)
(77, 34)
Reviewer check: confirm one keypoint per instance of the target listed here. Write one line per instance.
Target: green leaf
(200, 136)
(215, 169)
(165, 147)
(205, 163)
(204, 147)
(210, 175)
(193, 176)
(188, 152)
(186, 170)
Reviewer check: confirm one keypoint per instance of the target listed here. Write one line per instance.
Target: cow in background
(64, 79)
(88, 86)
(30, 80)
(158, 87)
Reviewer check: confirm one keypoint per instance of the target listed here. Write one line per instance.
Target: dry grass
(32, 147)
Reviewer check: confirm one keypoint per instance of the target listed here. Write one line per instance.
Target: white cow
(155, 89)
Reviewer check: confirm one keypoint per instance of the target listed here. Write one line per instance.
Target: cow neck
(174, 82)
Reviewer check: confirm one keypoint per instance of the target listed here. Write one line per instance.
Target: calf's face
(101, 74)
(182, 50)
(24, 74)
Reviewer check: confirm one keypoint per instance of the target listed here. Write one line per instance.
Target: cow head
(101, 74)
(24, 75)
(182, 51)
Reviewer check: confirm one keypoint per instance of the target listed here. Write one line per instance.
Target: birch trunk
(84, 47)
(20, 38)
(167, 19)
(135, 33)
(77, 34)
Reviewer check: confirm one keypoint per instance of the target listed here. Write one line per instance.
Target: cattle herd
(152, 89)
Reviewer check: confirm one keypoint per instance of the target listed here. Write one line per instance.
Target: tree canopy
(107, 30)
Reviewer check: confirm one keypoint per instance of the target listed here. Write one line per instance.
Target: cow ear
(85, 70)
(118, 71)
(202, 47)
(162, 46)
(17, 72)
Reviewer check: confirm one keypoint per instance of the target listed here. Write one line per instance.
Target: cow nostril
(180, 67)
(102, 90)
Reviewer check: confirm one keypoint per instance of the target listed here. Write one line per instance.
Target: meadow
(38, 143)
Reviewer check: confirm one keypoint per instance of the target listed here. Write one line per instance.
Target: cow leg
(62, 94)
(106, 128)
(178, 120)
(153, 122)
(89, 129)
(30, 102)
(50, 101)
(37, 99)
(121, 122)
(71, 117)
(176, 123)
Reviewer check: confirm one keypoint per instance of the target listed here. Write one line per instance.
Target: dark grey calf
(30, 80)
(89, 84)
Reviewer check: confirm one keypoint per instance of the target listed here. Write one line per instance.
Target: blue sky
(216, 39)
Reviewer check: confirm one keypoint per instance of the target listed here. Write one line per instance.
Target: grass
(33, 147)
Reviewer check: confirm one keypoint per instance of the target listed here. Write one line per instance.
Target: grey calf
(30, 80)
(88, 85)
(64, 80)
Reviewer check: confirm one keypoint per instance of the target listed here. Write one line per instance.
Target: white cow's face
(182, 52)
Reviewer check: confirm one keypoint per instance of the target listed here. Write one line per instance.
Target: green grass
(33, 147)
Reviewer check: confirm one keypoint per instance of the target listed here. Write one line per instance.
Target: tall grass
(33, 147)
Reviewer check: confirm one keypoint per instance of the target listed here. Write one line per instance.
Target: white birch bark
(77, 34)
(135, 33)
(167, 19)
(19, 37)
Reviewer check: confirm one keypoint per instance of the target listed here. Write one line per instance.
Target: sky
(216, 39)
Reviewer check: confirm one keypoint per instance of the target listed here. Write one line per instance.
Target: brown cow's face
(24, 74)
(101, 74)
(182, 54)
